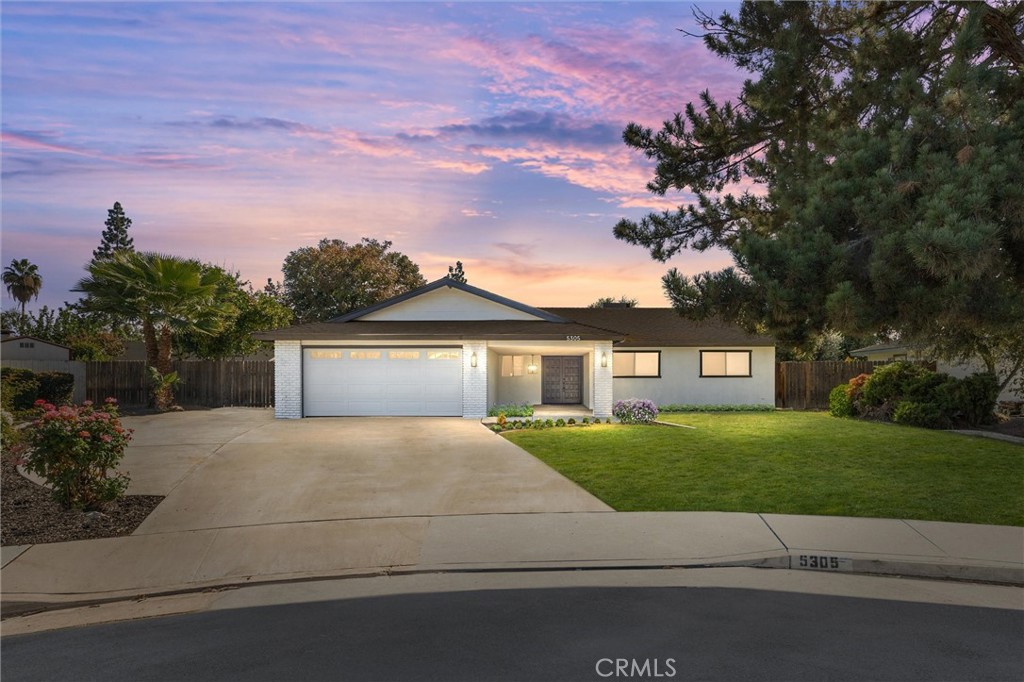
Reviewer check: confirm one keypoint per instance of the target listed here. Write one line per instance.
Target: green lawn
(790, 463)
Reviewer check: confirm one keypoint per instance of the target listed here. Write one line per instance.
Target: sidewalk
(91, 571)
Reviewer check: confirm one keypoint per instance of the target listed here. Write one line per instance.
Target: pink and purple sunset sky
(237, 132)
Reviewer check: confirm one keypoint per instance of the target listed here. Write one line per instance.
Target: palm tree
(165, 294)
(23, 281)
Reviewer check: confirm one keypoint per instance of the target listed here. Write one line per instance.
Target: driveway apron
(260, 470)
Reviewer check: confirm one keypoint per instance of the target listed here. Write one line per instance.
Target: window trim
(635, 376)
(750, 364)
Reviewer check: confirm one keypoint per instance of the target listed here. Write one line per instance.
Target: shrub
(635, 411)
(56, 388)
(927, 415)
(512, 410)
(969, 401)
(914, 395)
(840, 404)
(548, 423)
(517, 425)
(497, 428)
(586, 420)
(889, 383)
(10, 437)
(607, 420)
(19, 388)
(572, 421)
(74, 449)
(538, 424)
(560, 422)
(502, 420)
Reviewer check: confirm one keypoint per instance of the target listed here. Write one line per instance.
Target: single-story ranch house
(451, 349)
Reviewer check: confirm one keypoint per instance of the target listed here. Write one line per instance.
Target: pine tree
(886, 142)
(456, 272)
(115, 235)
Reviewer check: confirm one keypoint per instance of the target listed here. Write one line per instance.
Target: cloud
(473, 213)
(524, 124)
(467, 167)
(232, 123)
(521, 250)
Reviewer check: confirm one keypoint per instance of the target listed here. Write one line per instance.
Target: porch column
(288, 379)
(474, 379)
(602, 379)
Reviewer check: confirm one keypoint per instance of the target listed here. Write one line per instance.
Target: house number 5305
(824, 563)
(572, 338)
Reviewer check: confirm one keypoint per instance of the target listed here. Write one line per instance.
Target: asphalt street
(585, 633)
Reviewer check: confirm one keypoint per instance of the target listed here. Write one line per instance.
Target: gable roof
(453, 284)
(654, 327)
(626, 327)
(440, 330)
(34, 338)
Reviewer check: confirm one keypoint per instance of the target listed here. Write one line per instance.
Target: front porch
(561, 379)
(561, 411)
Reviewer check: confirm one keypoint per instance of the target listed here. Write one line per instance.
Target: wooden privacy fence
(806, 385)
(204, 383)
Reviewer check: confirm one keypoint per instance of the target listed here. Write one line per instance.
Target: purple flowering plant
(635, 411)
(75, 450)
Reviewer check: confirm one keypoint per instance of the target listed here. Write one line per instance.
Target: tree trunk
(163, 361)
(165, 392)
(149, 337)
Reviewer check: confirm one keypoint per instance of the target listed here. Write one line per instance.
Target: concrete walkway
(252, 500)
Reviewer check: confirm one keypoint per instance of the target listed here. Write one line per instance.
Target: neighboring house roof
(880, 348)
(34, 338)
(652, 327)
(452, 284)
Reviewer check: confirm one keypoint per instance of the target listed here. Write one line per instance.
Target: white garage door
(370, 382)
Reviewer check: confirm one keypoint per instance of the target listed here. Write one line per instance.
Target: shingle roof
(440, 329)
(654, 327)
(628, 327)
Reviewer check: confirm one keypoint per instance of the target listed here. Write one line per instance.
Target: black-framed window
(725, 363)
(641, 364)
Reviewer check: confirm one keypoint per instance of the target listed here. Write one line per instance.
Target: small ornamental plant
(560, 422)
(635, 411)
(75, 450)
(572, 421)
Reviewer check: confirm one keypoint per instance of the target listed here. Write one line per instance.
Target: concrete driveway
(234, 467)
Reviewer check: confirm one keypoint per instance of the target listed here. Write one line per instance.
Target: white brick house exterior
(451, 349)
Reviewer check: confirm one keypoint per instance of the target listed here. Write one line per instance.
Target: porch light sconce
(472, 360)
(532, 367)
(604, 359)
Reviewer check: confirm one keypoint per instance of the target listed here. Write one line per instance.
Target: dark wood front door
(562, 379)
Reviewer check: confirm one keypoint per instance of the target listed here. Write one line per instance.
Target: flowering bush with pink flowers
(75, 449)
(635, 411)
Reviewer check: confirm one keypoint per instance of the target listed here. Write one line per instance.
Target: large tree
(252, 311)
(23, 281)
(866, 179)
(166, 295)
(115, 234)
(334, 277)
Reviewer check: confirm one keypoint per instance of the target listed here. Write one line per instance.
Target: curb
(1012, 576)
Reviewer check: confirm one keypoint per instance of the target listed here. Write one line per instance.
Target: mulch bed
(29, 515)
